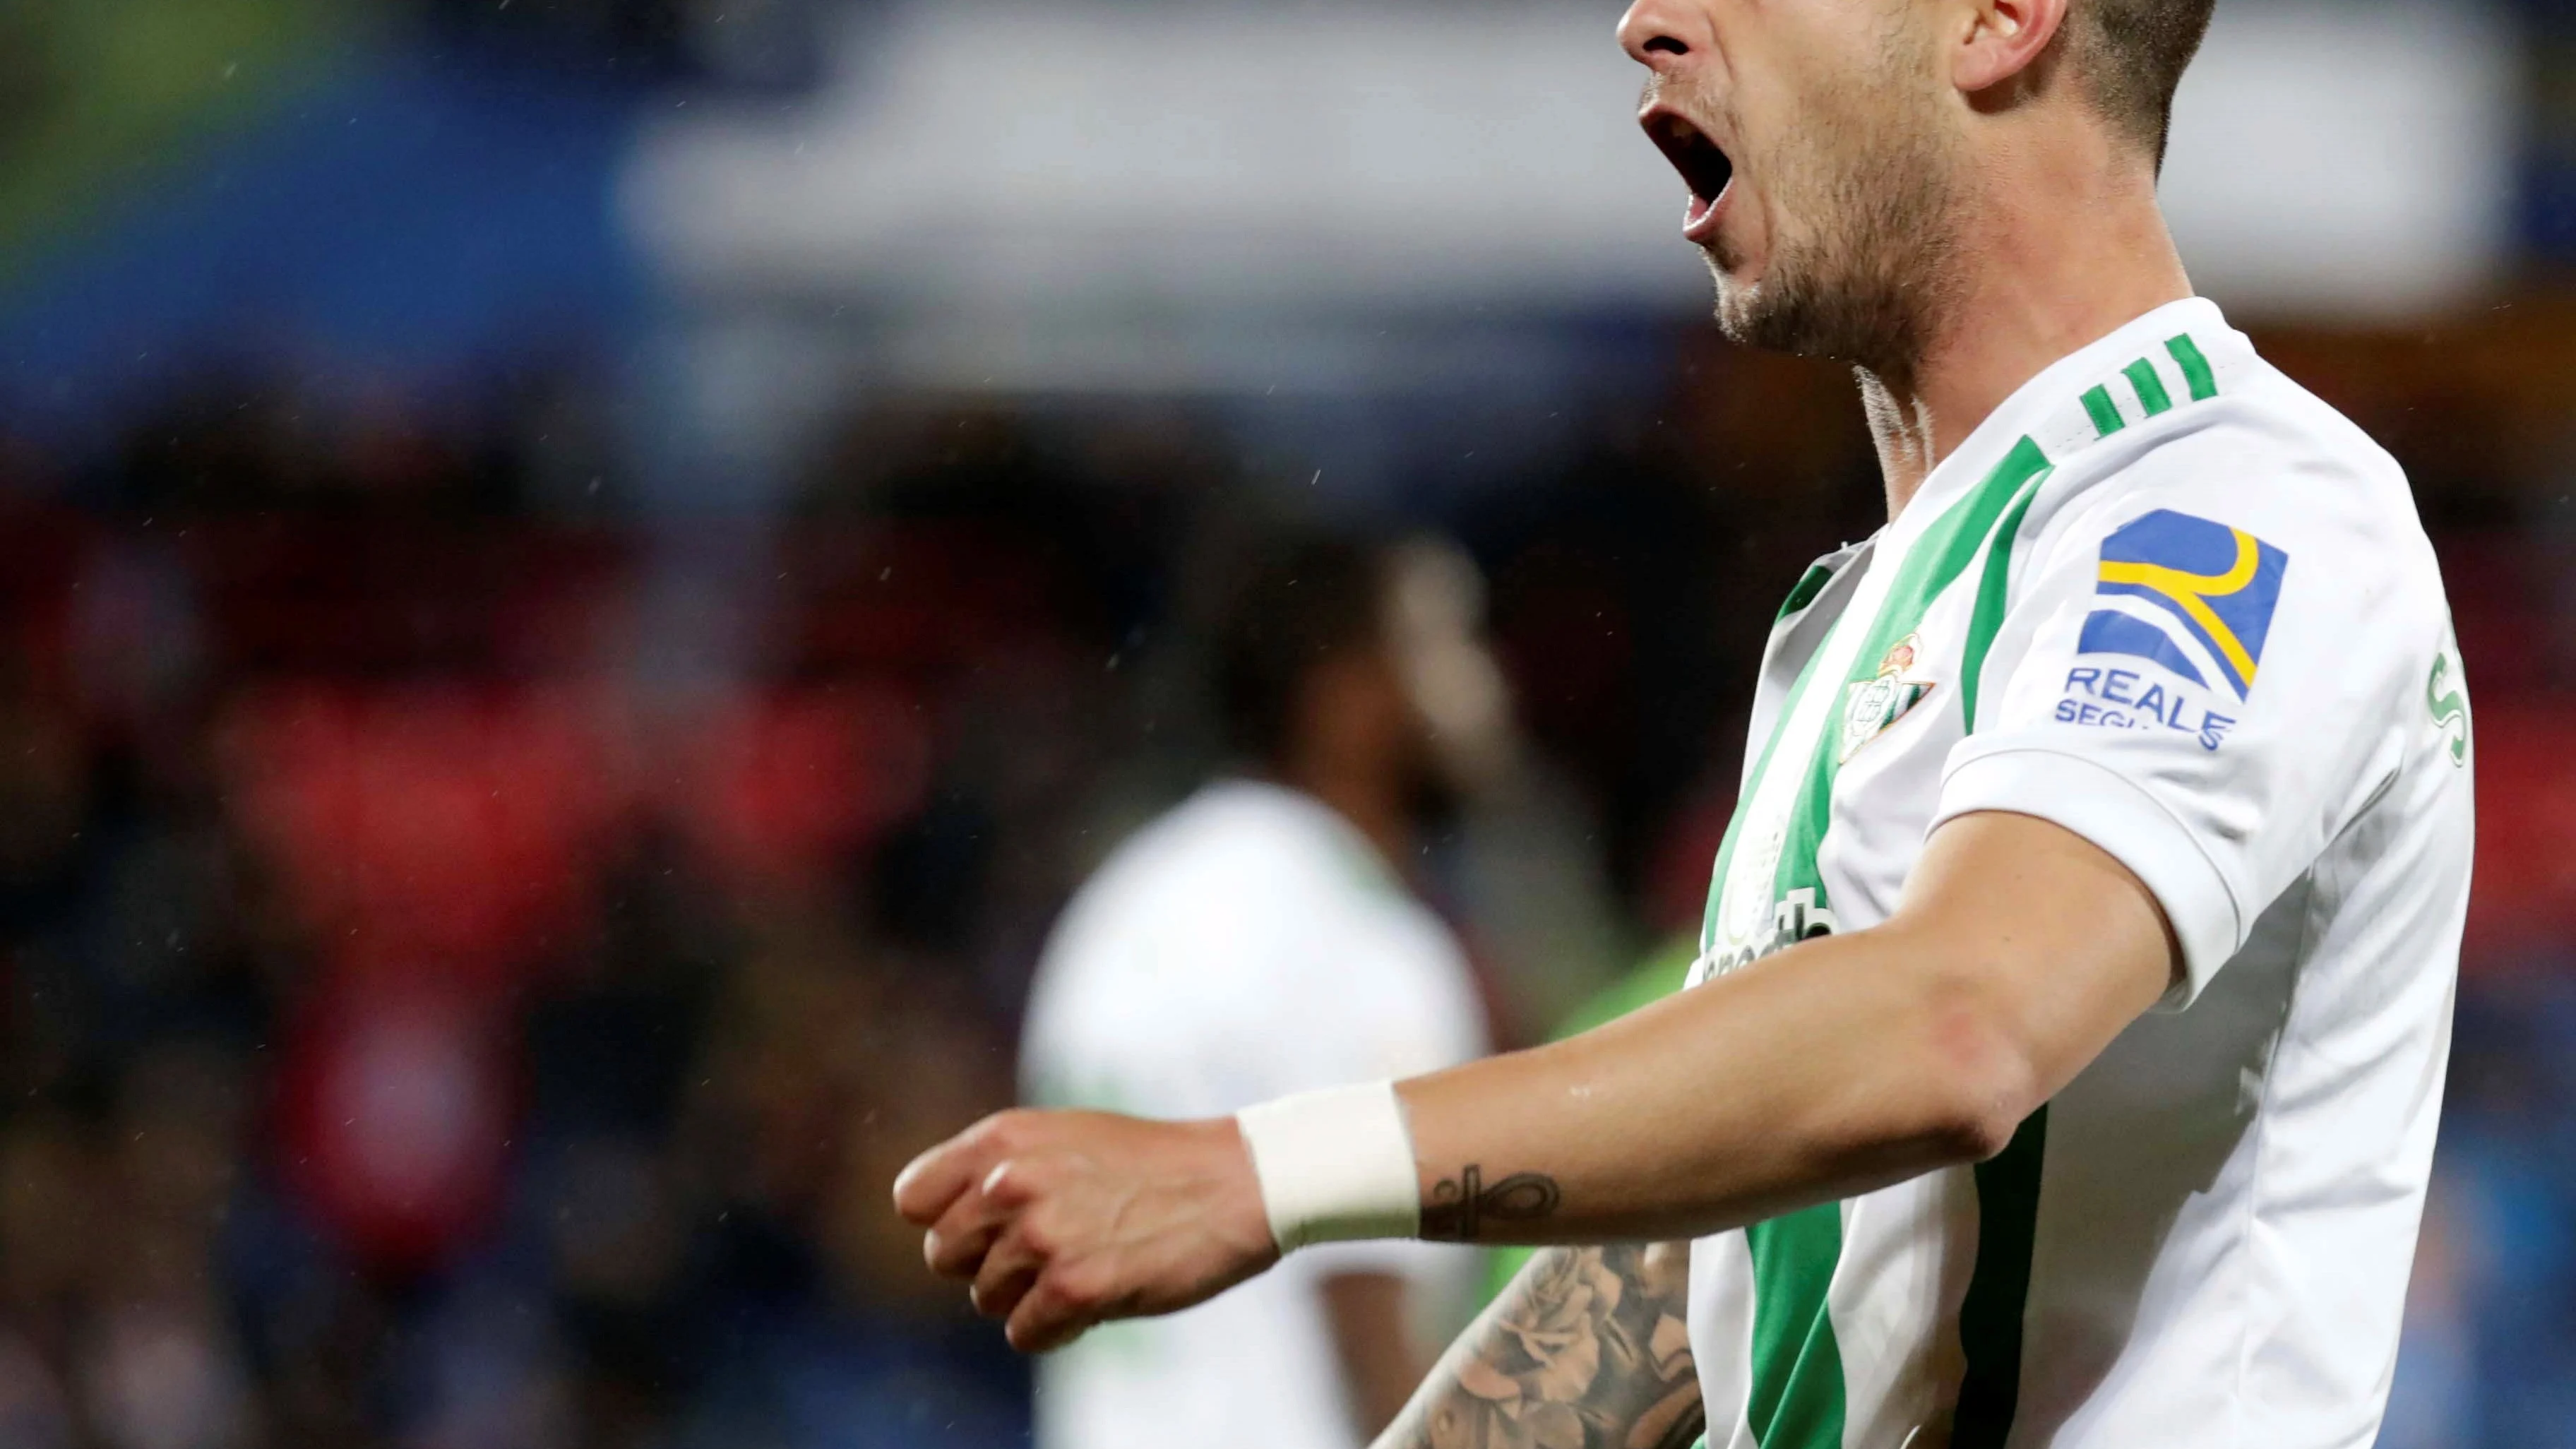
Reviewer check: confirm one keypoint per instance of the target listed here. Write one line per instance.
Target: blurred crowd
(413, 1036)
(428, 1016)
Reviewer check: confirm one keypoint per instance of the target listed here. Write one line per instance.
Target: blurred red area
(422, 737)
(314, 594)
(2524, 899)
(458, 829)
(913, 598)
(45, 552)
(394, 1112)
(451, 829)
(779, 787)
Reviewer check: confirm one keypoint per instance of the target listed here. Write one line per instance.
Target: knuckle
(1040, 1238)
(1081, 1287)
(999, 1133)
(1012, 1183)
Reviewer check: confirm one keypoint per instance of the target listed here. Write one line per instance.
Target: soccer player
(1260, 940)
(2077, 976)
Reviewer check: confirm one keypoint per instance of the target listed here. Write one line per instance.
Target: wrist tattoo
(1460, 1206)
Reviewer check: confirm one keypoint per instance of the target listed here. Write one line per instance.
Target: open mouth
(1705, 169)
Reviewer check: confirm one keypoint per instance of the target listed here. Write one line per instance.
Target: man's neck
(2064, 248)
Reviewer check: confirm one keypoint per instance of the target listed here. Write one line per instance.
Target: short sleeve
(2196, 675)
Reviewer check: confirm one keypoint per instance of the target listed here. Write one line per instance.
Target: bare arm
(1839, 1066)
(1829, 1070)
(1373, 1340)
(1586, 1350)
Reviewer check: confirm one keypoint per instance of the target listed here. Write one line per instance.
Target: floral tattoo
(1587, 1350)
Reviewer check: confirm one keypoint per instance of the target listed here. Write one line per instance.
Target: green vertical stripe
(2151, 388)
(2195, 368)
(1735, 822)
(1993, 593)
(1797, 1396)
(1991, 1316)
(1804, 594)
(1934, 563)
(2106, 413)
(1990, 1319)
(1810, 584)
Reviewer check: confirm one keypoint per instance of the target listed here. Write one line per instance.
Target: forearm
(1826, 1071)
(1586, 1350)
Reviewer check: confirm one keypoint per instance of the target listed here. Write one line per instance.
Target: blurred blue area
(414, 216)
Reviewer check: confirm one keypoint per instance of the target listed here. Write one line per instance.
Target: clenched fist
(1063, 1220)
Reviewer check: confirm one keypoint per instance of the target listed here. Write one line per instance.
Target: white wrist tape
(1336, 1166)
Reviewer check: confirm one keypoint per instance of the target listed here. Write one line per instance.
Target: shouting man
(2069, 1032)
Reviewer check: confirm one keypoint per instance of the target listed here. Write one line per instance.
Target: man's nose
(1655, 32)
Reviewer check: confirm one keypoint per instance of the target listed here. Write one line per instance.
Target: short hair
(1309, 598)
(2131, 55)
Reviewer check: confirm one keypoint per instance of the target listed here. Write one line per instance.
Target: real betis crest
(1872, 706)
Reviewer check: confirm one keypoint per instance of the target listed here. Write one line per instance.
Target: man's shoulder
(1240, 906)
(2239, 401)
(1178, 921)
(1223, 842)
(2265, 456)
(2259, 514)
(2271, 415)
(1240, 861)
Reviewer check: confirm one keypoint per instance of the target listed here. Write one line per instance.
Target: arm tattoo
(1459, 1206)
(1586, 1350)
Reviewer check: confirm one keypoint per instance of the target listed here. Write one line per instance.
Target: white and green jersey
(2170, 601)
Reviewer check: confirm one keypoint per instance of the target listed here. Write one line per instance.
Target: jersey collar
(2177, 355)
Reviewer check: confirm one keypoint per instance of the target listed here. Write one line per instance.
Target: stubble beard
(1870, 284)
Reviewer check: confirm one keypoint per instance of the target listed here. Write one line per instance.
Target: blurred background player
(1261, 938)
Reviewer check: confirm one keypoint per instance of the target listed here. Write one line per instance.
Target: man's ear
(2002, 40)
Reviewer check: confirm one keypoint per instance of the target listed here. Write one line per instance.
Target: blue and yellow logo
(2220, 584)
